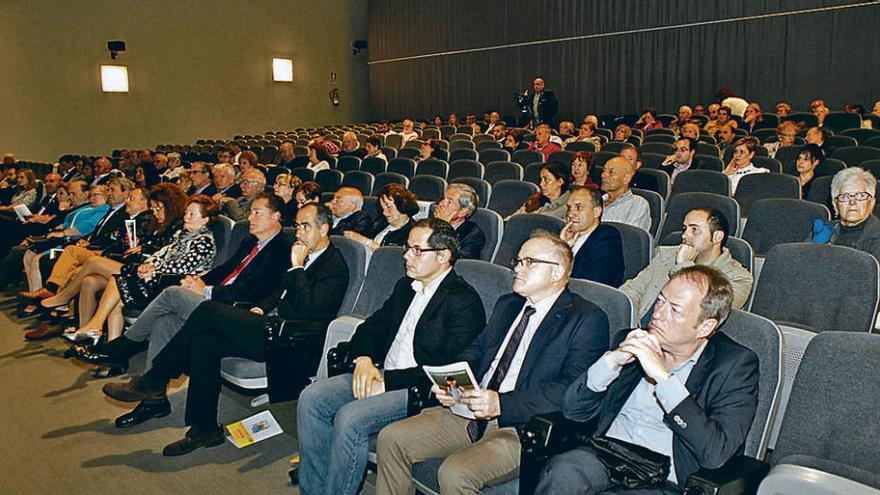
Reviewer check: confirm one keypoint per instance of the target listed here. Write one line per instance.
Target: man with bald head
(252, 183)
(621, 205)
(347, 215)
(102, 172)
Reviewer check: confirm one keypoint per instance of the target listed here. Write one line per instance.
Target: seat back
(487, 156)
(518, 229)
(655, 203)
(838, 121)
(410, 151)
(661, 148)
(616, 305)
(329, 180)
(304, 174)
(636, 248)
(658, 178)
(402, 166)
(386, 178)
(580, 146)
(781, 220)
(680, 204)
(427, 187)
(394, 140)
(509, 195)
(564, 157)
(860, 135)
(360, 180)
(532, 173)
(437, 168)
(492, 226)
(820, 287)
(701, 181)
(384, 269)
(855, 155)
(373, 165)
(347, 163)
(461, 153)
(497, 171)
(525, 157)
(465, 168)
(830, 421)
(222, 232)
(708, 162)
(755, 187)
(356, 258)
(764, 338)
(490, 281)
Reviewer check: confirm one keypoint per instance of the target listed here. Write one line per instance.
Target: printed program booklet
(251, 430)
(22, 211)
(454, 378)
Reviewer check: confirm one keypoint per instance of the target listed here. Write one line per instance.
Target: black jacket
(106, 230)
(600, 259)
(471, 240)
(451, 320)
(259, 279)
(395, 237)
(548, 107)
(358, 221)
(210, 190)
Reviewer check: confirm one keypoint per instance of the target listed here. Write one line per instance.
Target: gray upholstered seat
(616, 305)
(492, 225)
(518, 229)
(360, 180)
(490, 155)
(428, 187)
(525, 157)
(701, 181)
(465, 168)
(496, 171)
(637, 246)
(386, 178)
(509, 195)
(755, 187)
(655, 203)
(679, 205)
(431, 166)
(779, 221)
(402, 166)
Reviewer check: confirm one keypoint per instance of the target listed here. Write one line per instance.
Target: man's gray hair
(467, 196)
(174, 157)
(852, 176)
(224, 168)
(124, 184)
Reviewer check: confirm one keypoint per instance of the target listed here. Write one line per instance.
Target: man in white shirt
(431, 315)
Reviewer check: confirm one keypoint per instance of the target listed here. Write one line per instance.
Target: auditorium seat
(493, 155)
(496, 171)
(483, 188)
(431, 166)
(532, 173)
(465, 168)
(753, 187)
(386, 178)
(402, 166)
(525, 157)
(701, 181)
(348, 163)
(360, 180)
(781, 220)
(580, 146)
(839, 121)
(637, 248)
(518, 229)
(855, 155)
(462, 154)
(508, 195)
(374, 165)
(860, 135)
(656, 204)
(428, 187)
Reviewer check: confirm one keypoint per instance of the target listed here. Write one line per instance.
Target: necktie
(477, 427)
(241, 266)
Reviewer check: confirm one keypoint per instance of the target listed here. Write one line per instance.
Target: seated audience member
(321, 140)
(225, 156)
(191, 251)
(69, 168)
(729, 99)
(347, 209)
(309, 192)
(318, 158)
(679, 388)
(681, 160)
(494, 121)
(285, 187)
(808, 159)
(741, 163)
(597, 248)
(432, 149)
(580, 169)
(351, 146)
(374, 148)
(853, 193)
(430, 317)
(553, 195)
(566, 128)
(753, 118)
(25, 191)
(684, 117)
(287, 149)
(173, 169)
(398, 206)
(714, 123)
(640, 179)
(703, 241)
(622, 132)
(224, 183)
(783, 109)
(514, 141)
(690, 130)
(621, 205)
(251, 275)
(648, 121)
(726, 136)
(458, 204)
(45, 215)
(437, 120)
(786, 133)
(103, 169)
(820, 111)
(699, 109)
(453, 120)
(499, 132)
(586, 134)
(539, 339)
(408, 132)
(247, 160)
(253, 182)
(309, 297)
(201, 179)
(818, 136)
(543, 142)
(385, 129)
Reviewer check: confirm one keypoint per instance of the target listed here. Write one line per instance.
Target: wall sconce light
(114, 78)
(282, 70)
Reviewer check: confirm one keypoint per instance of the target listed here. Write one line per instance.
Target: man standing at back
(431, 315)
(543, 106)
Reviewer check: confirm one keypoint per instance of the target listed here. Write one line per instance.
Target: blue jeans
(334, 433)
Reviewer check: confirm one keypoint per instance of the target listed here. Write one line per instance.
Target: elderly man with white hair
(173, 169)
(853, 197)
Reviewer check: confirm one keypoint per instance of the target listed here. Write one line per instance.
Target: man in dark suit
(597, 248)
(250, 275)
(677, 388)
(346, 206)
(103, 172)
(224, 182)
(681, 160)
(431, 315)
(45, 217)
(542, 104)
(200, 174)
(538, 341)
(459, 202)
(308, 299)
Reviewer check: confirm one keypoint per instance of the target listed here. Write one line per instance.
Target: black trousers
(213, 331)
(11, 268)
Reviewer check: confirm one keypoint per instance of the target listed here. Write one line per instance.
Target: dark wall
(792, 56)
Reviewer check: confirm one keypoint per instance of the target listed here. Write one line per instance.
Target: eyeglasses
(529, 262)
(251, 182)
(859, 196)
(417, 251)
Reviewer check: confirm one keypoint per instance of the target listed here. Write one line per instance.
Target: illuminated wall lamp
(114, 78)
(282, 70)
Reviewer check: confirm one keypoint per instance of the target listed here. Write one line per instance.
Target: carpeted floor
(59, 436)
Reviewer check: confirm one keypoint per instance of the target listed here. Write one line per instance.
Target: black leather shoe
(133, 391)
(93, 356)
(103, 372)
(194, 439)
(143, 412)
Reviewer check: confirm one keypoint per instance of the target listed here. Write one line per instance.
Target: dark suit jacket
(548, 107)
(232, 191)
(451, 320)
(118, 242)
(395, 237)
(471, 240)
(358, 221)
(358, 152)
(104, 234)
(600, 259)
(260, 278)
(569, 339)
(709, 426)
(209, 191)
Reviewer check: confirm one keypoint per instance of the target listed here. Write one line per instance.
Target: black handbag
(629, 465)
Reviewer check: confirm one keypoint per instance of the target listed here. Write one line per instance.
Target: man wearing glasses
(430, 317)
(540, 338)
(853, 191)
(200, 176)
(253, 182)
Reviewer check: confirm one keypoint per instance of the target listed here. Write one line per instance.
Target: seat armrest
(741, 475)
(339, 360)
(419, 397)
(244, 305)
(544, 436)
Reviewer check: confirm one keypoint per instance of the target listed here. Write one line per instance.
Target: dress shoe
(43, 332)
(133, 391)
(103, 372)
(93, 356)
(143, 412)
(42, 293)
(195, 438)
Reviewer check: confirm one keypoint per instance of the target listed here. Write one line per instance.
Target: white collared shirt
(401, 354)
(542, 307)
